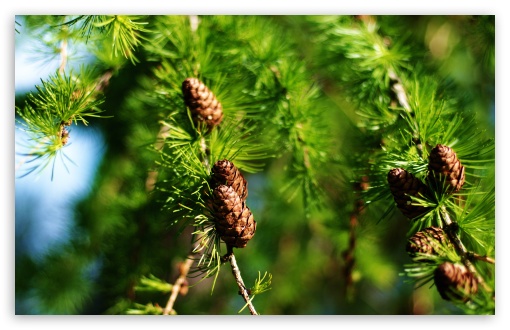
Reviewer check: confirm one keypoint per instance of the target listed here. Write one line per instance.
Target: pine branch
(475, 256)
(63, 56)
(448, 223)
(176, 288)
(358, 210)
(230, 257)
(398, 89)
(427, 120)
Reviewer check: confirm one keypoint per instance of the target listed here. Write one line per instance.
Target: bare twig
(194, 21)
(239, 280)
(398, 89)
(350, 262)
(475, 256)
(176, 288)
(401, 97)
(63, 56)
(205, 151)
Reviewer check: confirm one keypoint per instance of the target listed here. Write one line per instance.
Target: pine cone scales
(455, 282)
(225, 201)
(202, 103)
(444, 165)
(234, 220)
(225, 172)
(404, 184)
(426, 241)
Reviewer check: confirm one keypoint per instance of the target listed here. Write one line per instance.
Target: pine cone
(426, 241)
(444, 166)
(403, 185)
(234, 220)
(454, 282)
(224, 172)
(202, 103)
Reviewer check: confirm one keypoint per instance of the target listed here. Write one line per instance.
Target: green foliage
(125, 32)
(317, 110)
(60, 101)
(152, 283)
(409, 109)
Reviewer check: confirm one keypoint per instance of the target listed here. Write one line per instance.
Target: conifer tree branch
(183, 273)
(194, 21)
(401, 96)
(475, 256)
(63, 56)
(398, 89)
(230, 257)
(459, 246)
(359, 209)
(205, 152)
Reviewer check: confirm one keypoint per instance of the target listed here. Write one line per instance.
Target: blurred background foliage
(112, 232)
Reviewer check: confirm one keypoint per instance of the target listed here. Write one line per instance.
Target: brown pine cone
(234, 220)
(224, 172)
(426, 241)
(202, 103)
(403, 185)
(454, 282)
(444, 166)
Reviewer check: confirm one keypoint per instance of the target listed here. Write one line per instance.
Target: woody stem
(454, 237)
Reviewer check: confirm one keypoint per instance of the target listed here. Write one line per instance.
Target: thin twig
(63, 56)
(152, 176)
(398, 89)
(176, 288)
(401, 97)
(461, 248)
(350, 262)
(239, 280)
(205, 151)
(194, 21)
(63, 53)
(482, 258)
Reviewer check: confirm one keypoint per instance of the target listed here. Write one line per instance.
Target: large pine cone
(202, 103)
(426, 241)
(444, 166)
(454, 282)
(403, 185)
(234, 220)
(224, 172)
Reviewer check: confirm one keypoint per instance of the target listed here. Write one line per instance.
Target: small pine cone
(426, 241)
(403, 185)
(224, 172)
(445, 166)
(202, 103)
(64, 136)
(234, 220)
(454, 282)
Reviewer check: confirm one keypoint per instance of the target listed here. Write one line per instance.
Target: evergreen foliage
(316, 111)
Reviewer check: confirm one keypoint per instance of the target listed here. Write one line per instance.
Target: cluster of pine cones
(234, 220)
(446, 175)
(453, 281)
(445, 172)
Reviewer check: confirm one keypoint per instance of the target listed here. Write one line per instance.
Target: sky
(44, 204)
